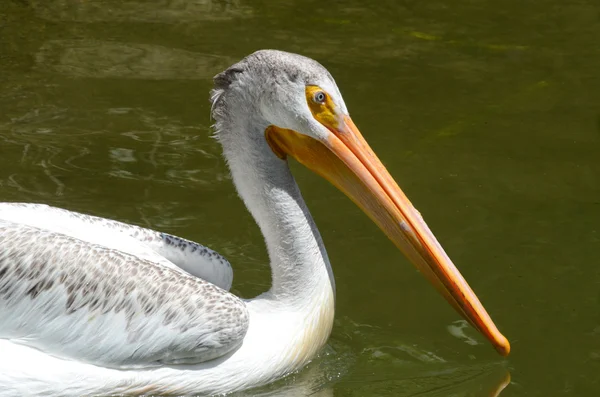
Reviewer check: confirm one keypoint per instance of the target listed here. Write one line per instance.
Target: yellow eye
(322, 107)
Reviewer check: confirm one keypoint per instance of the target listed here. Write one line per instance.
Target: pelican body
(95, 306)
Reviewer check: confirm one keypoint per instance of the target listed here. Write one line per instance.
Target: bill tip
(502, 345)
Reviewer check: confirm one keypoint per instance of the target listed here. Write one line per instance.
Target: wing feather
(154, 246)
(76, 299)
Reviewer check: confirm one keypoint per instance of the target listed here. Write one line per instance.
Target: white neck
(299, 261)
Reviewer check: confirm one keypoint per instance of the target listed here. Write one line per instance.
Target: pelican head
(279, 105)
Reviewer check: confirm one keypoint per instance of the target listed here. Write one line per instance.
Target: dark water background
(486, 112)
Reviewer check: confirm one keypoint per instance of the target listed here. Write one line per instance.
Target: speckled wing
(76, 299)
(162, 248)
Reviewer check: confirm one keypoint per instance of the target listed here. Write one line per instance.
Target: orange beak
(345, 159)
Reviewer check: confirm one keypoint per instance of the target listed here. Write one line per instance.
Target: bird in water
(95, 306)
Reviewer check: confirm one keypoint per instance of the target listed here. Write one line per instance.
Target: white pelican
(94, 306)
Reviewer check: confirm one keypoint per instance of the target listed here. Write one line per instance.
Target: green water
(486, 112)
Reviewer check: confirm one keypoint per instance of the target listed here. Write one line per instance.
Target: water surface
(487, 113)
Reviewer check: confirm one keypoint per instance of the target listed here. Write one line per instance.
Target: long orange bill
(346, 160)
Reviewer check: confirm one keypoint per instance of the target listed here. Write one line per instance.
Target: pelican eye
(321, 106)
(319, 97)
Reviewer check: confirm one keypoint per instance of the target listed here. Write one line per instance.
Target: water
(487, 113)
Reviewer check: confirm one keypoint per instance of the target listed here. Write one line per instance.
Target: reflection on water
(414, 371)
(448, 382)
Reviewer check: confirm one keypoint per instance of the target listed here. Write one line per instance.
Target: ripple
(44, 148)
(343, 369)
(108, 59)
(161, 11)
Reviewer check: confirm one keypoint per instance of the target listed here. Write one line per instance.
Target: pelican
(95, 306)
